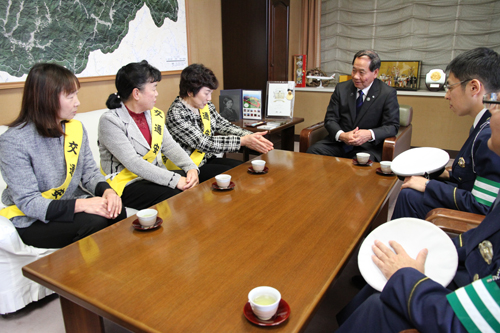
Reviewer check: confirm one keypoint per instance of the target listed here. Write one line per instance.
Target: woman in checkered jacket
(202, 132)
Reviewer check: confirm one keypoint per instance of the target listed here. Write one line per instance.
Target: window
(431, 31)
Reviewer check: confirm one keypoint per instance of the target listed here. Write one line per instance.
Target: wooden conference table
(292, 228)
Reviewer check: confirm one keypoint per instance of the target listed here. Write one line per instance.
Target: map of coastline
(91, 37)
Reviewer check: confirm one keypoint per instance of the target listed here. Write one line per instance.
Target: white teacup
(362, 158)
(264, 302)
(147, 217)
(258, 165)
(386, 166)
(223, 180)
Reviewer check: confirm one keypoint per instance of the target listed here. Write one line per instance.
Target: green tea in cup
(264, 300)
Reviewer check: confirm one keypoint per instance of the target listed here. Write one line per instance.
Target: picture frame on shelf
(230, 104)
(280, 98)
(236, 104)
(252, 104)
(401, 74)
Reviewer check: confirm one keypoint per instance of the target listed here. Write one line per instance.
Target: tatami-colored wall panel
(435, 125)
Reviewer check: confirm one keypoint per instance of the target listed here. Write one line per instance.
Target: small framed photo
(230, 104)
(236, 104)
(400, 74)
(252, 104)
(280, 98)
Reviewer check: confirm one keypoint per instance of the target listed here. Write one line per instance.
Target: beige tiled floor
(46, 316)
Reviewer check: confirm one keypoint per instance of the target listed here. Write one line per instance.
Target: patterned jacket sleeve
(186, 128)
(487, 180)
(173, 151)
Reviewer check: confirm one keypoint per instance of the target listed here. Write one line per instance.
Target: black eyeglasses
(448, 86)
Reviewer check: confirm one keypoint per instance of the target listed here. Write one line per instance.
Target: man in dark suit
(361, 114)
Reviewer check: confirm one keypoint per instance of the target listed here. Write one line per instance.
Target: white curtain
(433, 32)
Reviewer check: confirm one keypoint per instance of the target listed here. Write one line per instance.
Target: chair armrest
(454, 221)
(312, 134)
(395, 145)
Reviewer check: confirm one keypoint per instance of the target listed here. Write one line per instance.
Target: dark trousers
(328, 147)
(368, 313)
(59, 234)
(143, 194)
(216, 166)
(410, 203)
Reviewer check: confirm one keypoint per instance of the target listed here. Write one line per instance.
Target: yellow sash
(157, 124)
(72, 145)
(196, 155)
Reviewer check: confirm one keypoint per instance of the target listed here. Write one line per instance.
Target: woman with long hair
(55, 193)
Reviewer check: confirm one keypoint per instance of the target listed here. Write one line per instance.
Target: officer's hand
(389, 262)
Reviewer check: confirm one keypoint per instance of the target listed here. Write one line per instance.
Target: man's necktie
(359, 102)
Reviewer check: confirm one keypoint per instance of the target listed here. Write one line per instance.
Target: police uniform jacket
(423, 302)
(475, 176)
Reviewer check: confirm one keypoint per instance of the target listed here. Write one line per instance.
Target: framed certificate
(280, 98)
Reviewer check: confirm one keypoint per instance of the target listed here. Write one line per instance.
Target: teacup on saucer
(215, 186)
(252, 170)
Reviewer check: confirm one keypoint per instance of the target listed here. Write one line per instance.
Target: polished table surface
(286, 132)
(292, 228)
(285, 123)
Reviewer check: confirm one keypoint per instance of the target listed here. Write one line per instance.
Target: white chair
(16, 291)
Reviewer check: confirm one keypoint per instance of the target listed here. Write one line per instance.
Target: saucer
(216, 187)
(355, 162)
(251, 170)
(281, 315)
(138, 226)
(379, 171)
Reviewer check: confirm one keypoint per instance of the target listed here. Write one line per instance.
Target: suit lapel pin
(461, 162)
(486, 250)
(368, 99)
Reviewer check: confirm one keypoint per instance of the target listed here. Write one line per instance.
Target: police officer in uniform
(473, 183)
